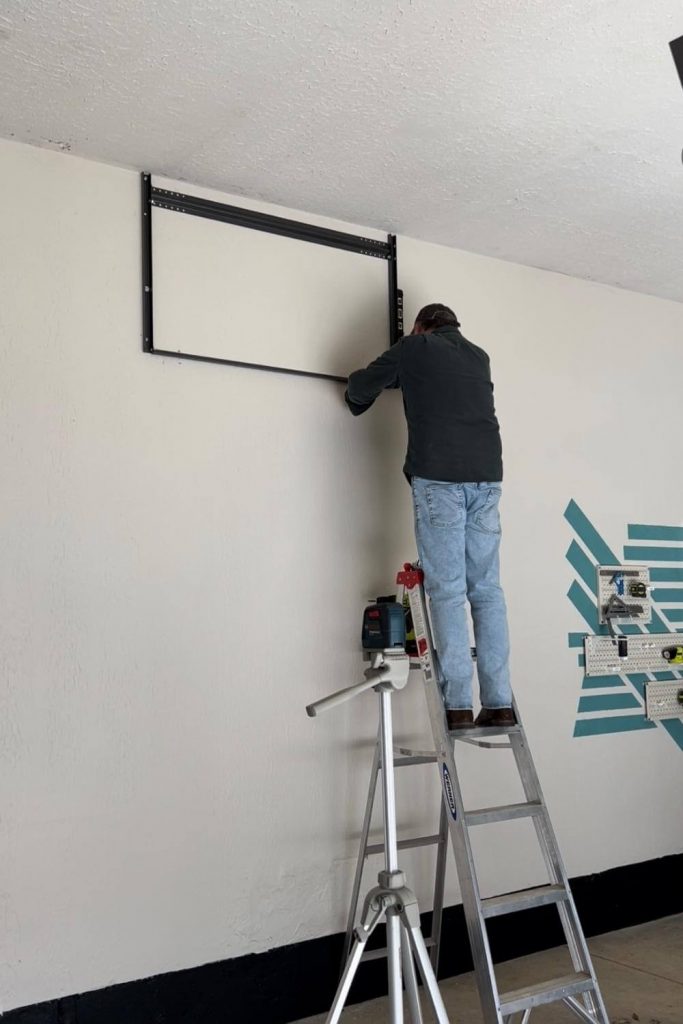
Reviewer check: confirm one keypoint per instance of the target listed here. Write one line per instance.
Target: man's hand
(355, 407)
(366, 385)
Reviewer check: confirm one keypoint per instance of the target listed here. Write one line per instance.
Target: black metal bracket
(147, 308)
(198, 207)
(395, 296)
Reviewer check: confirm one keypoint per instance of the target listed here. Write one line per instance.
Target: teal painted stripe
(605, 726)
(668, 595)
(674, 727)
(581, 661)
(657, 625)
(665, 574)
(586, 532)
(575, 639)
(666, 677)
(637, 554)
(584, 606)
(637, 531)
(674, 614)
(608, 702)
(638, 679)
(578, 558)
(597, 682)
(629, 628)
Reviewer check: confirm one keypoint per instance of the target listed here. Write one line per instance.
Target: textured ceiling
(548, 132)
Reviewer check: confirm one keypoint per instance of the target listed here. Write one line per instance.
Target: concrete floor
(640, 971)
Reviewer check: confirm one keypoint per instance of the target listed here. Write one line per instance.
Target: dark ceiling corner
(677, 51)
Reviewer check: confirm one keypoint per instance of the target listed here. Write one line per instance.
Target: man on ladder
(454, 465)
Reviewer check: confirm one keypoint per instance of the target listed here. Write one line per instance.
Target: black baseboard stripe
(292, 982)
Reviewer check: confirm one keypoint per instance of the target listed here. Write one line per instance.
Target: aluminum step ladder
(578, 991)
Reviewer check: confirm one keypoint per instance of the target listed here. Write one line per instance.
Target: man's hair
(436, 315)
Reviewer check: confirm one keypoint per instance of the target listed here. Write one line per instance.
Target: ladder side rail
(362, 853)
(439, 887)
(584, 1013)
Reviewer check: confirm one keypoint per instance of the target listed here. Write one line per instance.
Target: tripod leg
(427, 972)
(394, 964)
(345, 982)
(410, 979)
(373, 912)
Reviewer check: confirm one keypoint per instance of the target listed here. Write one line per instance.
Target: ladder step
(484, 732)
(525, 898)
(379, 954)
(507, 812)
(404, 844)
(403, 760)
(546, 992)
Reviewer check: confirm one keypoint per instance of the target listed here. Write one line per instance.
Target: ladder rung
(404, 844)
(508, 812)
(484, 732)
(378, 954)
(545, 992)
(522, 900)
(404, 760)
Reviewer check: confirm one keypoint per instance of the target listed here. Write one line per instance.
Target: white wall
(186, 550)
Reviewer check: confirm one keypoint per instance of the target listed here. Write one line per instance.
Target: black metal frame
(198, 207)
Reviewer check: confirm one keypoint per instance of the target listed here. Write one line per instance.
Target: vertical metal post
(395, 296)
(388, 788)
(146, 225)
(393, 923)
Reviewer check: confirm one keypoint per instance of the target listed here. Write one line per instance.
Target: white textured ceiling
(548, 132)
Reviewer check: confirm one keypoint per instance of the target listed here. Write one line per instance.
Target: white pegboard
(643, 653)
(616, 581)
(664, 700)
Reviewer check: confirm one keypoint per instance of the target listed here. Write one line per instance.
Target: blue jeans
(457, 528)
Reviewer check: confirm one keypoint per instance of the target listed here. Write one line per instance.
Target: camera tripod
(390, 900)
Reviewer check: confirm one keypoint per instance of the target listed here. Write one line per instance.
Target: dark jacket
(453, 432)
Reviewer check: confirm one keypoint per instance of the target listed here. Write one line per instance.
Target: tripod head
(389, 671)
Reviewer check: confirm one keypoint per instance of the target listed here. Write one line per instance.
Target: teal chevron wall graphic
(620, 704)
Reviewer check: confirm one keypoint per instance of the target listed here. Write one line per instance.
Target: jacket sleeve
(364, 386)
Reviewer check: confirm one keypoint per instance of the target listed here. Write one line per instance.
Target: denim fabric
(457, 528)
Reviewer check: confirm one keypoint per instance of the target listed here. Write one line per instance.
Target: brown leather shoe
(495, 717)
(459, 719)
